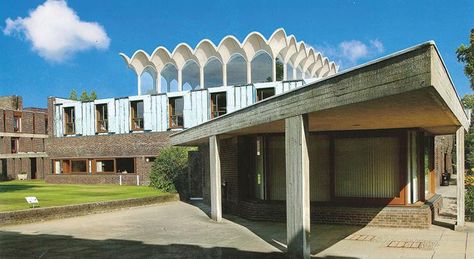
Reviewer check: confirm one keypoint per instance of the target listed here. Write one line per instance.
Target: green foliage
(279, 70)
(92, 96)
(465, 54)
(84, 96)
(468, 101)
(469, 199)
(169, 169)
(73, 95)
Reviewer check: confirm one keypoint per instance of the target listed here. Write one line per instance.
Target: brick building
(357, 148)
(23, 135)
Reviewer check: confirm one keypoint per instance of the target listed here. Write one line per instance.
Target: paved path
(180, 230)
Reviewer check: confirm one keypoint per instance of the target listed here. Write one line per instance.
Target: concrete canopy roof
(279, 43)
(407, 89)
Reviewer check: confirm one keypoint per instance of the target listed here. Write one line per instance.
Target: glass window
(79, 166)
(147, 81)
(17, 123)
(69, 121)
(190, 75)
(265, 93)
(367, 167)
(213, 73)
(169, 79)
(14, 145)
(176, 106)
(237, 70)
(101, 116)
(261, 68)
(218, 104)
(105, 166)
(137, 115)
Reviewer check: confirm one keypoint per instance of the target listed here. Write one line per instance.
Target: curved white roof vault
(279, 44)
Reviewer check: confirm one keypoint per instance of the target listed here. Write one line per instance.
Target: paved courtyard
(180, 230)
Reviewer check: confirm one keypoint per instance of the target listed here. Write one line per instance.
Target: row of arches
(231, 63)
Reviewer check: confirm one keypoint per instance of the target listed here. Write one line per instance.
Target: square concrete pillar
(460, 177)
(297, 186)
(215, 172)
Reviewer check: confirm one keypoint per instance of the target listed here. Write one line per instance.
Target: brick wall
(409, 217)
(11, 102)
(230, 173)
(119, 145)
(127, 179)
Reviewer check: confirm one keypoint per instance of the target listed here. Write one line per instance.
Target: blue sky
(349, 32)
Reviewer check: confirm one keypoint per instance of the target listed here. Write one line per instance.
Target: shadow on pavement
(18, 245)
(274, 233)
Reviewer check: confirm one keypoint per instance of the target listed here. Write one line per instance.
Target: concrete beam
(297, 186)
(460, 177)
(215, 171)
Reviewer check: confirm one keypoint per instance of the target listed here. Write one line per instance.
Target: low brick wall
(42, 214)
(406, 217)
(127, 179)
(436, 204)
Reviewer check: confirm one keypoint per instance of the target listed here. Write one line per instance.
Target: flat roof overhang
(408, 89)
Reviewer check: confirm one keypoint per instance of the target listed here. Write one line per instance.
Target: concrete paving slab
(180, 230)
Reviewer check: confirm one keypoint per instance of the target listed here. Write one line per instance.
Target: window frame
(94, 165)
(78, 160)
(135, 120)
(69, 120)
(101, 118)
(15, 145)
(172, 114)
(17, 122)
(262, 92)
(216, 109)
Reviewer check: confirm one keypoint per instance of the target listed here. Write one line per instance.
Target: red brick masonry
(406, 217)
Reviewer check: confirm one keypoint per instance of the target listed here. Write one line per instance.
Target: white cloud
(353, 50)
(378, 45)
(56, 31)
(349, 53)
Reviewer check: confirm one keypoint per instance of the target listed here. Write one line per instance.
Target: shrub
(469, 202)
(169, 170)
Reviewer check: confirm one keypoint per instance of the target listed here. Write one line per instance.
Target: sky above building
(49, 48)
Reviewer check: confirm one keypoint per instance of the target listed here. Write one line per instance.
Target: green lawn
(13, 193)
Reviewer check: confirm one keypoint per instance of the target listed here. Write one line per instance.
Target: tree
(92, 96)
(84, 96)
(465, 54)
(468, 102)
(168, 171)
(73, 95)
(279, 69)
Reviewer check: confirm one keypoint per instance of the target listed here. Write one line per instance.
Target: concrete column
(460, 177)
(215, 171)
(139, 85)
(224, 74)
(180, 80)
(249, 72)
(297, 186)
(201, 77)
(294, 73)
(285, 74)
(274, 70)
